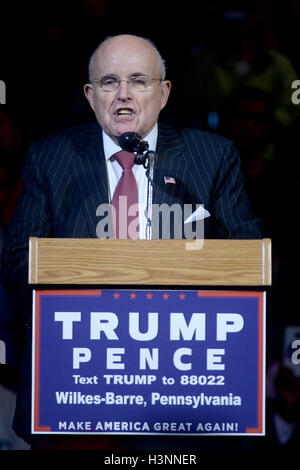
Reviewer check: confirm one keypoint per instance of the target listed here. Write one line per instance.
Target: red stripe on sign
(37, 426)
(260, 393)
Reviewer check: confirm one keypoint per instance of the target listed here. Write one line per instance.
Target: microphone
(133, 142)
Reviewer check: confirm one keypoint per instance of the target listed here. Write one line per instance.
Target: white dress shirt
(114, 172)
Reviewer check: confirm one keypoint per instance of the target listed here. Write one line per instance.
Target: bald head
(126, 40)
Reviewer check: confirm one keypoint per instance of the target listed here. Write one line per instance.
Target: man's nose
(124, 91)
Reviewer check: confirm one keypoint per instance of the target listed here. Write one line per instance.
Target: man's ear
(89, 94)
(165, 92)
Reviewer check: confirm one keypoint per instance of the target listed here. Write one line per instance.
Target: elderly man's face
(127, 109)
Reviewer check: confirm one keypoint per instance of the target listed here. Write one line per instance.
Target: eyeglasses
(137, 82)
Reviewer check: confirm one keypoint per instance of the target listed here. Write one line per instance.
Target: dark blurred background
(232, 65)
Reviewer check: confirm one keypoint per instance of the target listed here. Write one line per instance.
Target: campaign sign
(148, 362)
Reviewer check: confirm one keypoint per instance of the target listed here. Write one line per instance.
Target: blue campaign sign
(148, 362)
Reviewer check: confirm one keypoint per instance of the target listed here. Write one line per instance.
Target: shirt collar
(110, 147)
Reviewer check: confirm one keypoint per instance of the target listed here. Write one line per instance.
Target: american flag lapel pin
(169, 180)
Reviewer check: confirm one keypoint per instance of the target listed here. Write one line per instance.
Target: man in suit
(67, 177)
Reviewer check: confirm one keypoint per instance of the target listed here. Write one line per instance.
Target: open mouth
(124, 112)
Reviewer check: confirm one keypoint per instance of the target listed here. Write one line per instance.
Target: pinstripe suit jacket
(65, 180)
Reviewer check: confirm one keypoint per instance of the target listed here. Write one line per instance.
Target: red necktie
(125, 199)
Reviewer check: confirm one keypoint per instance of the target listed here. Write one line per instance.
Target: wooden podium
(196, 348)
(156, 262)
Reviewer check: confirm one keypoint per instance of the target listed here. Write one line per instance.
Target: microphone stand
(148, 161)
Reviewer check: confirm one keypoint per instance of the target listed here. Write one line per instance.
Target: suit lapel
(90, 173)
(171, 162)
(171, 166)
